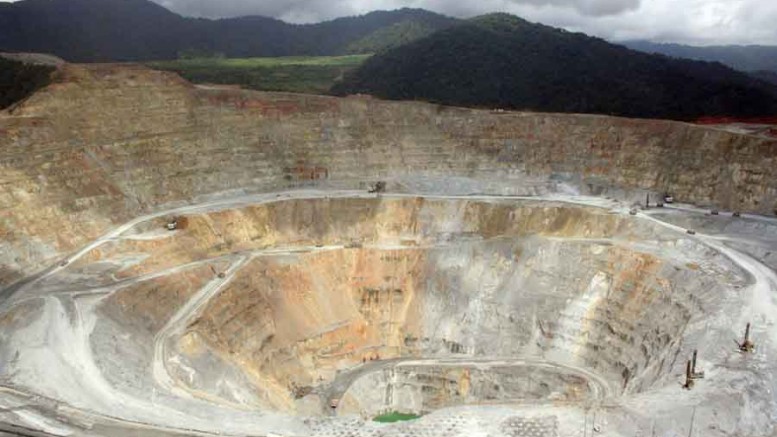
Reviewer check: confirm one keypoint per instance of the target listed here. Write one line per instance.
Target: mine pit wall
(421, 389)
(295, 322)
(499, 279)
(345, 222)
(106, 143)
(131, 317)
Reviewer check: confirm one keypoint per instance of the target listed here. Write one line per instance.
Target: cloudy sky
(700, 22)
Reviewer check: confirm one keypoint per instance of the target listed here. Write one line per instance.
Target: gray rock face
(107, 143)
(498, 285)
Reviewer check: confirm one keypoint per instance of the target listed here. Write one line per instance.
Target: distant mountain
(743, 58)
(86, 30)
(503, 61)
(141, 30)
(400, 33)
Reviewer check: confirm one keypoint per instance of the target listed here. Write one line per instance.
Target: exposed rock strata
(107, 143)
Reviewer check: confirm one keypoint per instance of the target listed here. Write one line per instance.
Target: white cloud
(588, 7)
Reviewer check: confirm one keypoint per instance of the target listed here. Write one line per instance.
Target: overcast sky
(700, 22)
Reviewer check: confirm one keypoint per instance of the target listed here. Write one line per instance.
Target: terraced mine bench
(498, 285)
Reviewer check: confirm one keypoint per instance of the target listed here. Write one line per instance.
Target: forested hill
(503, 61)
(141, 30)
(752, 58)
(768, 76)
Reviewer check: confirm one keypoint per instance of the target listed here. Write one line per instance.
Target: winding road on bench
(761, 292)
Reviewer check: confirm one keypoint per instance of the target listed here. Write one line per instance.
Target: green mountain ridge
(396, 35)
(141, 30)
(498, 60)
(750, 58)
(766, 76)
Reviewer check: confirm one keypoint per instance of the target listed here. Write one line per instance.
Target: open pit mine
(184, 260)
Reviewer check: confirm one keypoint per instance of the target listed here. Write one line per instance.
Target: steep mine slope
(196, 260)
(503, 61)
(495, 313)
(107, 143)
